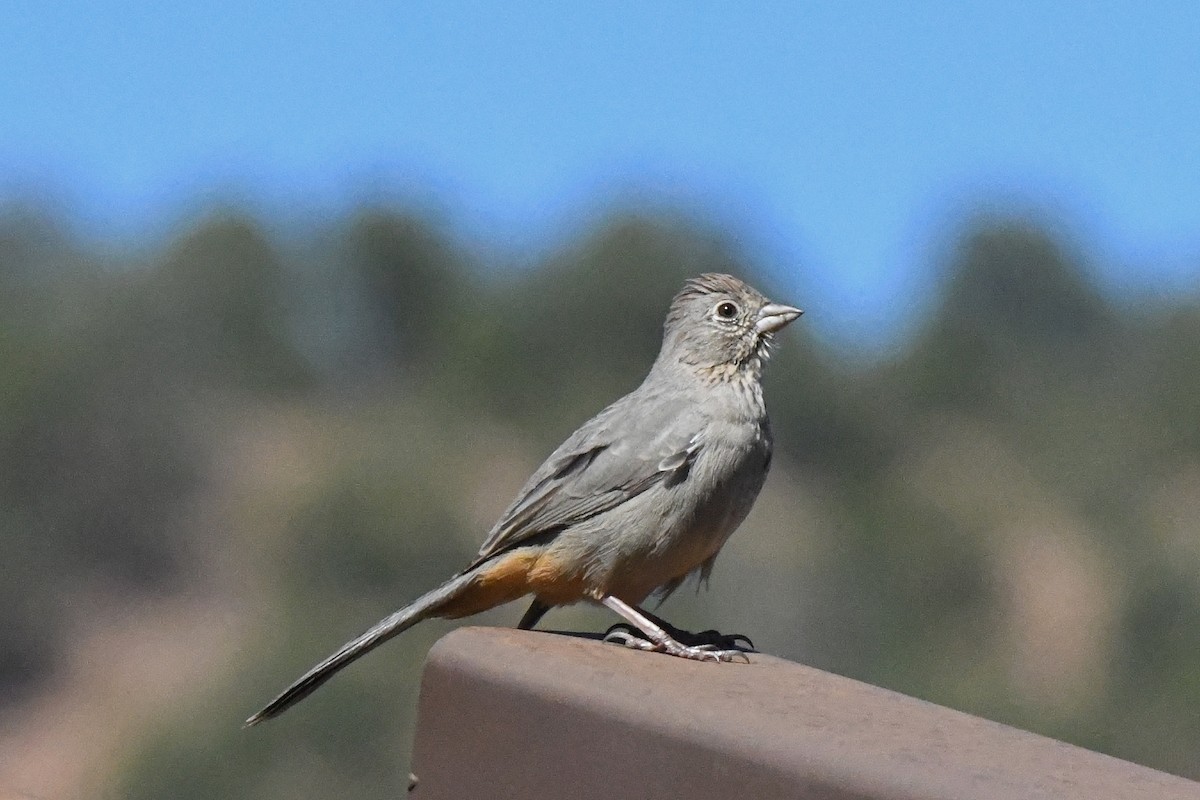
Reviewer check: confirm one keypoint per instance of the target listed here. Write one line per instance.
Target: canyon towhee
(641, 496)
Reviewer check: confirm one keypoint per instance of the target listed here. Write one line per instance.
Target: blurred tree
(1174, 382)
(71, 456)
(415, 283)
(219, 303)
(1015, 307)
(98, 458)
(30, 624)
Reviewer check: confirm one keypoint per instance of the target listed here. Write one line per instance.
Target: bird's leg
(721, 641)
(657, 639)
(537, 609)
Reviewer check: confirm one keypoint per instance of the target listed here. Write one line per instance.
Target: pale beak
(774, 316)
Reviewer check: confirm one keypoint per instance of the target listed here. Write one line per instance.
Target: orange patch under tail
(494, 584)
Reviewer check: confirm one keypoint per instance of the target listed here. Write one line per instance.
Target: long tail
(422, 608)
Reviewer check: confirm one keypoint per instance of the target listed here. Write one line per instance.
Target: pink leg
(657, 639)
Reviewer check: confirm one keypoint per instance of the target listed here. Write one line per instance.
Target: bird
(635, 501)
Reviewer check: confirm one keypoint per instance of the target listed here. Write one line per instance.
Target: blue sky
(840, 139)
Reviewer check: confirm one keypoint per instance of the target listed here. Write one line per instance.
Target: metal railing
(507, 713)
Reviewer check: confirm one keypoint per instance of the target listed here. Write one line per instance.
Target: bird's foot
(717, 640)
(629, 636)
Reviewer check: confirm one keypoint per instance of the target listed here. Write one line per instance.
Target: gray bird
(640, 497)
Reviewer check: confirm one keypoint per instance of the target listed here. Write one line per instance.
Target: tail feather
(422, 608)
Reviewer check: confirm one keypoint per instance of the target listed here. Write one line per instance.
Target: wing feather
(594, 471)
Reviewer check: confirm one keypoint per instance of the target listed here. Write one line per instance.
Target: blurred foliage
(1002, 516)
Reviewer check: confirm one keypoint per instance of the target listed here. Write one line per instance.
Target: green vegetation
(1002, 516)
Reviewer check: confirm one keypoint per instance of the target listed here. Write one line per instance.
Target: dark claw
(722, 641)
(739, 641)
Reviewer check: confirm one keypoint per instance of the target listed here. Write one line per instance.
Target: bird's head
(721, 326)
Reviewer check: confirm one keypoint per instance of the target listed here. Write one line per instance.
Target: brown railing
(515, 714)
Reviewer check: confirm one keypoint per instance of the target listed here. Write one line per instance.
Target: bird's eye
(727, 310)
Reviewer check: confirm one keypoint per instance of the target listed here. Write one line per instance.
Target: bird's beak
(774, 316)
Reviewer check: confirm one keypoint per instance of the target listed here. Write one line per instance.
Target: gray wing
(618, 454)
